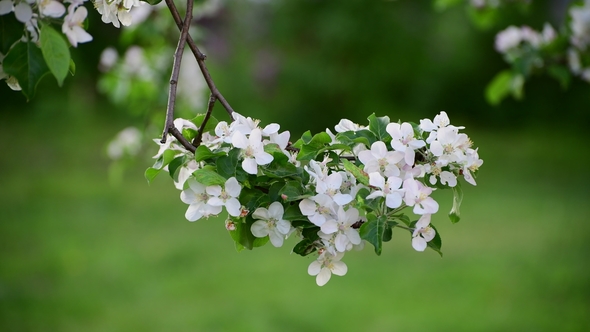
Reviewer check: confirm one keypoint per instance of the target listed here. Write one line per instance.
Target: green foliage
(11, 30)
(25, 62)
(208, 176)
(55, 52)
(503, 84)
(378, 127)
(358, 173)
(243, 236)
(455, 214)
(376, 230)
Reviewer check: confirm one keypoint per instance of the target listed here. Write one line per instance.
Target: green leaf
(292, 190)
(165, 159)
(499, 87)
(11, 31)
(55, 52)
(280, 168)
(211, 123)
(293, 213)
(561, 74)
(373, 231)
(304, 247)
(72, 67)
(151, 173)
(441, 5)
(226, 165)
(25, 62)
(175, 165)
(153, 2)
(308, 152)
(378, 127)
(454, 215)
(306, 137)
(243, 236)
(436, 243)
(208, 177)
(358, 173)
(388, 233)
(203, 153)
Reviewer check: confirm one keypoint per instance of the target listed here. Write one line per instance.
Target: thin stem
(174, 132)
(176, 70)
(200, 57)
(199, 137)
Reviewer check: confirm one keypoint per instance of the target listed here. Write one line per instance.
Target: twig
(174, 132)
(199, 137)
(200, 57)
(169, 124)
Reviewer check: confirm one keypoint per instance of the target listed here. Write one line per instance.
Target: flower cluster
(333, 191)
(580, 40)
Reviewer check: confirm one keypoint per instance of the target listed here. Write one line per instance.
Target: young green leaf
(226, 165)
(209, 177)
(358, 173)
(25, 62)
(499, 87)
(211, 123)
(175, 165)
(454, 215)
(151, 173)
(55, 52)
(203, 153)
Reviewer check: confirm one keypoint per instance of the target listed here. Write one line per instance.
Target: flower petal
(339, 268)
(323, 277)
(259, 228)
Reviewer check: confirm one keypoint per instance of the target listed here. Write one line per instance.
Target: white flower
(580, 25)
(417, 195)
(318, 208)
(197, 197)
(449, 145)
(508, 38)
(108, 59)
(402, 139)
(378, 159)
(253, 150)
(270, 222)
(227, 197)
(471, 164)
(127, 141)
(51, 8)
(23, 12)
(6, 6)
(330, 186)
(347, 125)
(423, 233)
(345, 234)
(389, 189)
(72, 26)
(185, 172)
(325, 265)
(115, 11)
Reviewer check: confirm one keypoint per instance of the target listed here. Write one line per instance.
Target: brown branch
(174, 132)
(169, 124)
(199, 137)
(200, 57)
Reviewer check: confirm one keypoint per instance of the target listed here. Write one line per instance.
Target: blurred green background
(80, 254)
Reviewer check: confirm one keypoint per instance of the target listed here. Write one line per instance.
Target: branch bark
(169, 124)
(200, 57)
(199, 137)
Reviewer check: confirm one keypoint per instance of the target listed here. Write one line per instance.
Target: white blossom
(72, 26)
(379, 159)
(423, 233)
(325, 265)
(390, 189)
(418, 196)
(318, 208)
(342, 227)
(51, 8)
(270, 222)
(196, 196)
(253, 150)
(227, 197)
(403, 140)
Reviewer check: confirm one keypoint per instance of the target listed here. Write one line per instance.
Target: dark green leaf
(436, 243)
(208, 177)
(378, 127)
(373, 231)
(388, 233)
(243, 236)
(292, 190)
(306, 137)
(304, 247)
(72, 67)
(175, 165)
(55, 52)
(153, 2)
(11, 30)
(226, 165)
(165, 159)
(454, 215)
(25, 62)
(293, 213)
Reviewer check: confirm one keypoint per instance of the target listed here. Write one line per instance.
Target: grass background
(78, 254)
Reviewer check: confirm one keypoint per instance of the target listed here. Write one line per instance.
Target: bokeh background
(81, 253)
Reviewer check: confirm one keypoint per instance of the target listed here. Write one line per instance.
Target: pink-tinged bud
(284, 197)
(230, 225)
(244, 212)
(321, 251)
